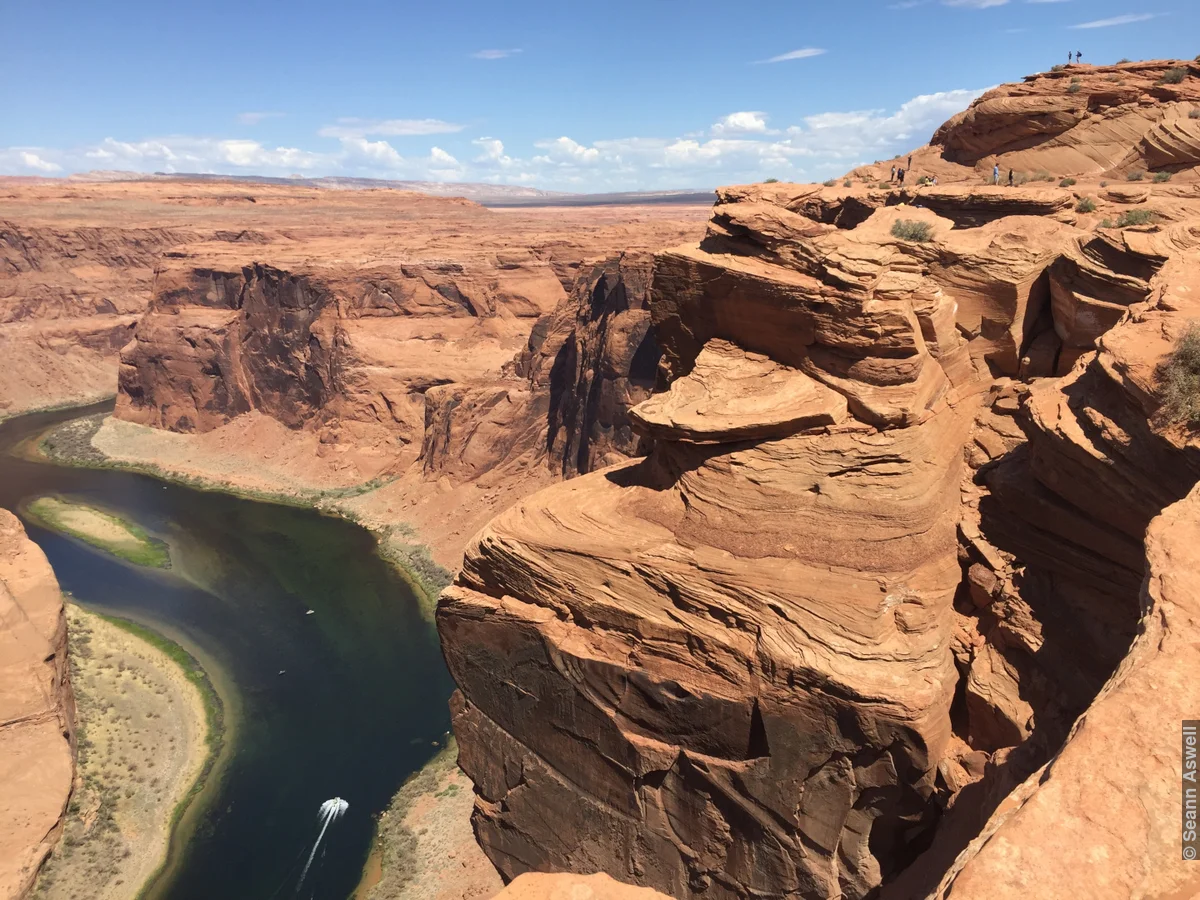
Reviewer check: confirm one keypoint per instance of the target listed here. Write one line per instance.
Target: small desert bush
(1136, 217)
(1106, 223)
(1085, 205)
(1075, 79)
(1194, 114)
(830, 183)
(1057, 68)
(883, 186)
(1173, 76)
(771, 181)
(909, 230)
(1112, 76)
(1179, 380)
(1122, 60)
(1160, 177)
(1073, 89)
(1136, 175)
(847, 183)
(1041, 175)
(1066, 182)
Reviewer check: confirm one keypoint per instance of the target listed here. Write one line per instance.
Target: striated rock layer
(800, 650)
(725, 670)
(36, 709)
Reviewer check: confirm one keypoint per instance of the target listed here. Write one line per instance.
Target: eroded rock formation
(800, 650)
(36, 709)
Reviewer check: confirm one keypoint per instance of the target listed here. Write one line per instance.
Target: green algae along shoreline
(102, 529)
(124, 830)
(70, 443)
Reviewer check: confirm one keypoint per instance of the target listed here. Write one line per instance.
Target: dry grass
(909, 230)
(141, 738)
(424, 846)
(1179, 380)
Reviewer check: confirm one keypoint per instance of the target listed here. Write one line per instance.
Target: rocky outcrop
(758, 662)
(1113, 790)
(36, 710)
(534, 886)
(1081, 120)
(696, 655)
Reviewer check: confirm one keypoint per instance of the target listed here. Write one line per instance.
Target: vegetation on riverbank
(70, 443)
(149, 728)
(101, 529)
(424, 845)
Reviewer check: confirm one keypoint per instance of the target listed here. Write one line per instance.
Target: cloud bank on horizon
(741, 146)
(524, 96)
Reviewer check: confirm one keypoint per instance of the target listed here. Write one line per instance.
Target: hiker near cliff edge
(893, 173)
(996, 173)
(900, 175)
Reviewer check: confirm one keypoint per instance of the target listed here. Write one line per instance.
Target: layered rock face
(1081, 120)
(36, 709)
(724, 670)
(800, 650)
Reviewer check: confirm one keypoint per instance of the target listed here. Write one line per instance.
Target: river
(344, 702)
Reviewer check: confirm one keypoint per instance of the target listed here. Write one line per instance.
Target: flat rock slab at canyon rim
(878, 548)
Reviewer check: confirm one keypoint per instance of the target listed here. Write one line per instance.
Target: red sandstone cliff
(851, 628)
(36, 710)
(801, 650)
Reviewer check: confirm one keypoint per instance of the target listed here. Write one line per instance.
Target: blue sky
(612, 95)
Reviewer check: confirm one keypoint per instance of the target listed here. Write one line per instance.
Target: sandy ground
(424, 847)
(91, 525)
(142, 743)
(280, 461)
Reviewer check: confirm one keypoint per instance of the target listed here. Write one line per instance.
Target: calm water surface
(363, 692)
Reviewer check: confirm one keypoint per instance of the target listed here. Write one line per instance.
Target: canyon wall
(857, 549)
(37, 710)
(865, 598)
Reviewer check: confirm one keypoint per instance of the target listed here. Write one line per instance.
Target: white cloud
(907, 4)
(804, 53)
(741, 147)
(376, 151)
(358, 128)
(253, 118)
(742, 123)
(33, 161)
(1127, 19)
(564, 149)
(494, 54)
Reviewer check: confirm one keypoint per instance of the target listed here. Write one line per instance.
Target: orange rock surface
(854, 594)
(36, 709)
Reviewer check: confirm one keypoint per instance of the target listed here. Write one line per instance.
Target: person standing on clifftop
(996, 173)
(910, 162)
(893, 173)
(1078, 55)
(1010, 178)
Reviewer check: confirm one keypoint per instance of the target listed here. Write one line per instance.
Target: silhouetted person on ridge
(910, 162)
(1078, 55)
(1069, 55)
